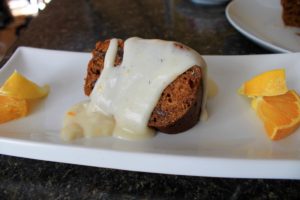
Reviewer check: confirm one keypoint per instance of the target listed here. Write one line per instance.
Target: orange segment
(269, 83)
(20, 87)
(12, 108)
(280, 114)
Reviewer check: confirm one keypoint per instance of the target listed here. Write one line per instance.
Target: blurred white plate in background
(260, 21)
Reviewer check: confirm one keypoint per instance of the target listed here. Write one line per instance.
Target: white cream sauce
(124, 96)
(212, 88)
(79, 121)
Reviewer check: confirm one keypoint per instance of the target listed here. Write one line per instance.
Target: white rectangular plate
(261, 22)
(232, 143)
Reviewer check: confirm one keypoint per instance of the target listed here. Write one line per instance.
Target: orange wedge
(20, 87)
(12, 108)
(14, 94)
(280, 114)
(269, 83)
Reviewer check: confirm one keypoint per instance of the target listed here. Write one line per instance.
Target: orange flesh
(269, 83)
(280, 114)
(12, 108)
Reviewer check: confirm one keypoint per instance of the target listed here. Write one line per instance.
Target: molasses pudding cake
(137, 87)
